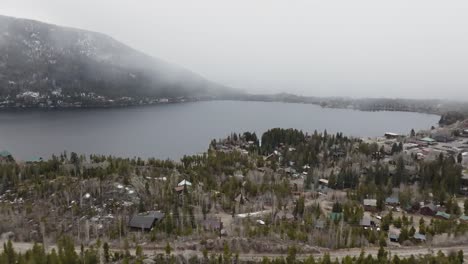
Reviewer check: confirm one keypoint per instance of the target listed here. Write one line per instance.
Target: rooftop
(145, 220)
(370, 202)
(428, 139)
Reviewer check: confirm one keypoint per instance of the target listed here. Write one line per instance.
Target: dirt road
(401, 252)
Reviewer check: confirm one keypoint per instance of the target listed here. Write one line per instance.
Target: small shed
(391, 135)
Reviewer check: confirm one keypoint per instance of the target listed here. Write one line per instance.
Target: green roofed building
(443, 215)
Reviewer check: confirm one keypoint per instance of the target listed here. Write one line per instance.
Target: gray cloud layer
(360, 48)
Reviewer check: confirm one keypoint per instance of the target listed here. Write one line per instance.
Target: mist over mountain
(40, 57)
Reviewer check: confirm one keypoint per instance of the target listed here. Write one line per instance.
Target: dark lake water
(170, 131)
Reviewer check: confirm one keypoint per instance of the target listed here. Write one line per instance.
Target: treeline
(100, 253)
(276, 136)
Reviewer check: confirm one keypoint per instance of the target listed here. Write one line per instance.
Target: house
(184, 183)
(366, 222)
(145, 221)
(419, 237)
(442, 215)
(464, 218)
(393, 201)
(443, 138)
(394, 237)
(390, 135)
(370, 204)
(428, 141)
(428, 209)
(323, 182)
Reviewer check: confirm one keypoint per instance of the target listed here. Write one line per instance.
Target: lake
(172, 130)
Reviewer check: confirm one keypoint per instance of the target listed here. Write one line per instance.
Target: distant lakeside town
(58, 99)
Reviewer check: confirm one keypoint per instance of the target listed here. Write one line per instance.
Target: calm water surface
(170, 131)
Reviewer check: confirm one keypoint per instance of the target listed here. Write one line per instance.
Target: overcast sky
(397, 48)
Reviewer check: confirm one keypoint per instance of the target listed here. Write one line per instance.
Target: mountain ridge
(42, 57)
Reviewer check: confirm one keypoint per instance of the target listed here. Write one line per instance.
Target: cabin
(184, 183)
(390, 135)
(394, 237)
(323, 183)
(428, 209)
(145, 221)
(419, 237)
(428, 140)
(370, 205)
(182, 186)
(366, 222)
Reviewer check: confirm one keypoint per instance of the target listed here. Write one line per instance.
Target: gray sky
(359, 48)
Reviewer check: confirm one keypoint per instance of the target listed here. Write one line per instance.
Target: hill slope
(42, 58)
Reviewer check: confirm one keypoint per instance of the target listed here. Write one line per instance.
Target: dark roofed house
(390, 135)
(394, 237)
(145, 221)
(428, 209)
